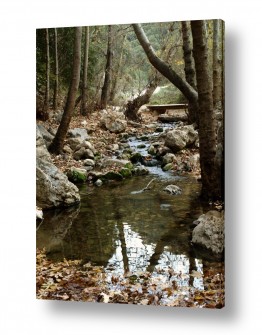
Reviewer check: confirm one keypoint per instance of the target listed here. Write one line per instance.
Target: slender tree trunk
(106, 86)
(218, 94)
(163, 67)
(84, 90)
(47, 88)
(117, 73)
(211, 188)
(218, 64)
(190, 72)
(58, 141)
(56, 74)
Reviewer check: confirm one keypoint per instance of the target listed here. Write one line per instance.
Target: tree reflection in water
(134, 256)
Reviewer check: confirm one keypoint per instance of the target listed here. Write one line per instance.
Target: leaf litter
(69, 280)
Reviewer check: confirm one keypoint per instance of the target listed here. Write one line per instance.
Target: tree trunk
(84, 90)
(133, 106)
(190, 72)
(56, 74)
(117, 73)
(58, 141)
(106, 86)
(218, 64)
(218, 93)
(163, 67)
(211, 187)
(46, 101)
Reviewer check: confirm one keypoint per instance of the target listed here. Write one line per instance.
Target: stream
(126, 230)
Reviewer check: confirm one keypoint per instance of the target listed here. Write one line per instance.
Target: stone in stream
(168, 167)
(98, 182)
(173, 189)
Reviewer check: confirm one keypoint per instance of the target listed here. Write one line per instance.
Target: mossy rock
(141, 146)
(112, 175)
(77, 176)
(159, 130)
(136, 157)
(168, 167)
(152, 150)
(129, 166)
(126, 173)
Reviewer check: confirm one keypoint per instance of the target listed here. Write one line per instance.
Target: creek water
(126, 229)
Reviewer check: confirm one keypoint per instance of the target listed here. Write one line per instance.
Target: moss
(129, 166)
(167, 167)
(126, 173)
(77, 176)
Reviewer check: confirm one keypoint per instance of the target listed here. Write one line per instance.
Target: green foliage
(168, 94)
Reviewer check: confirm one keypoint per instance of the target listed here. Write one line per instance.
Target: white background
(20, 312)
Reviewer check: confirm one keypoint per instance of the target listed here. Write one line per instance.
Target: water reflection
(133, 255)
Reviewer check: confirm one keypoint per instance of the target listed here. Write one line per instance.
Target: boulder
(181, 138)
(114, 122)
(78, 132)
(53, 189)
(83, 153)
(209, 232)
(47, 136)
(173, 189)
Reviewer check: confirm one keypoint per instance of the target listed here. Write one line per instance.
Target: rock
(168, 167)
(77, 175)
(84, 123)
(141, 146)
(126, 173)
(140, 171)
(112, 175)
(74, 142)
(168, 158)
(41, 149)
(89, 162)
(159, 130)
(152, 150)
(83, 153)
(53, 189)
(173, 189)
(67, 149)
(114, 121)
(136, 157)
(98, 182)
(78, 133)
(39, 213)
(48, 138)
(122, 163)
(85, 144)
(181, 138)
(209, 232)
